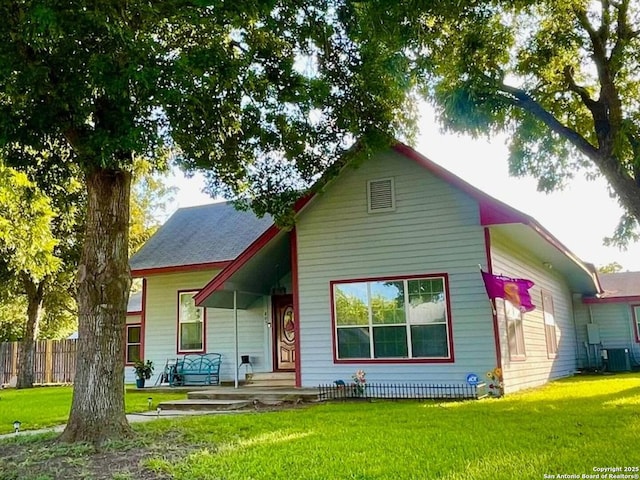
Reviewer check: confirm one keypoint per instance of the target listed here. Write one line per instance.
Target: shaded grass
(43, 407)
(567, 427)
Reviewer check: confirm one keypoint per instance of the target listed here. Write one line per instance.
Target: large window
(399, 318)
(515, 331)
(134, 343)
(190, 324)
(549, 325)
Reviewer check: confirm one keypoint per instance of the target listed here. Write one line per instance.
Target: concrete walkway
(131, 417)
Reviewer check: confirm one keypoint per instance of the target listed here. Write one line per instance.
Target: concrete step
(262, 394)
(206, 404)
(272, 379)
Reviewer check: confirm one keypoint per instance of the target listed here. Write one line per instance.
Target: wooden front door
(284, 333)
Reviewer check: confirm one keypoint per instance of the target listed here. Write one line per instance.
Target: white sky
(580, 216)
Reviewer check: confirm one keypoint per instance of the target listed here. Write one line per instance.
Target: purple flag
(516, 290)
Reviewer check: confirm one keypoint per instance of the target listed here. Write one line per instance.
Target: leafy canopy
(26, 240)
(260, 95)
(559, 77)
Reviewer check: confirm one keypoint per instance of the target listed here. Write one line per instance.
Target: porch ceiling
(256, 277)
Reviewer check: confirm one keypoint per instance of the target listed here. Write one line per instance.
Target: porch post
(235, 331)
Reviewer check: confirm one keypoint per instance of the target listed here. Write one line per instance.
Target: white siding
(434, 229)
(161, 325)
(615, 322)
(537, 368)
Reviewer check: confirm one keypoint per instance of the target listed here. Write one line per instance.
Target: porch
(231, 398)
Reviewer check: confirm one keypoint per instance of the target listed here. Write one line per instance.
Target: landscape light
(149, 402)
(16, 426)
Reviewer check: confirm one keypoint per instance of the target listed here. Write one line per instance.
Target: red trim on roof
(145, 272)
(218, 281)
(611, 299)
(493, 211)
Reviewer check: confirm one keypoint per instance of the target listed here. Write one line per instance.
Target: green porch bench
(196, 369)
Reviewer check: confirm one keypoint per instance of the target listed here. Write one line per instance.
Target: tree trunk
(27, 352)
(97, 410)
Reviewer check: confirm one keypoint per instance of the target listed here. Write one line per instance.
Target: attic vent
(381, 195)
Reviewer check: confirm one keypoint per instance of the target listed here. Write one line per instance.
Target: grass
(49, 406)
(568, 427)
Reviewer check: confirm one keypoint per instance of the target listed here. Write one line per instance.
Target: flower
(359, 382)
(496, 387)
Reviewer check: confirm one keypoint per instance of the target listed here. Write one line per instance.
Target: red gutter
(232, 267)
(493, 211)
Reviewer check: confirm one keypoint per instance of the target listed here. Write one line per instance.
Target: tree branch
(580, 90)
(523, 100)
(622, 32)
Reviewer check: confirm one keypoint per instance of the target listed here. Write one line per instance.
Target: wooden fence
(55, 361)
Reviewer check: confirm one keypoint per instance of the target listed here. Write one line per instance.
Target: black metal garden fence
(394, 391)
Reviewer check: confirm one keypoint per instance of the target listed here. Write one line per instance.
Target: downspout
(235, 332)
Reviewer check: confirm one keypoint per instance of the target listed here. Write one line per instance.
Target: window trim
(551, 353)
(448, 323)
(126, 341)
(635, 312)
(515, 356)
(204, 324)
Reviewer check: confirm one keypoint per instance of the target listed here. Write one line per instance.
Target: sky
(580, 216)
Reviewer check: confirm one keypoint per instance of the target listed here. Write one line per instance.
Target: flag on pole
(516, 290)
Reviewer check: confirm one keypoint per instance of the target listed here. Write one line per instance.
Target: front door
(284, 333)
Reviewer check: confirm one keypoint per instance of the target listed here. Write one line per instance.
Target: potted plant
(143, 371)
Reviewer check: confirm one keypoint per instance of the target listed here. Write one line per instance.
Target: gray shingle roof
(621, 284)
(209, 233)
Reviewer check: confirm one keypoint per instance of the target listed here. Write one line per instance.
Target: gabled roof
(207, 236)
(618, 287)
(517, 225)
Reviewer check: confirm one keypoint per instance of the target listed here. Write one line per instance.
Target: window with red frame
(134, 343)
(400, 318)
(190, 323)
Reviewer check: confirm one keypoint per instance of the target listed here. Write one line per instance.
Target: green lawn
(569, 427)
(49, 406)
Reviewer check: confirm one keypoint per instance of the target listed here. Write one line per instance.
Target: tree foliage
(231, 88)
(26, 240)
(560, 78)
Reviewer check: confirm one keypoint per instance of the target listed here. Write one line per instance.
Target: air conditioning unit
(618, 360)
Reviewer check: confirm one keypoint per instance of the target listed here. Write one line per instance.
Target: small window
(515, 331)
(381, 195)
(134, 343)
(190, 323)
(549, 325)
